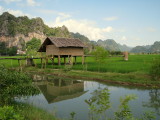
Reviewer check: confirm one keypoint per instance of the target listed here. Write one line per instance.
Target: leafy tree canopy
(100, 54)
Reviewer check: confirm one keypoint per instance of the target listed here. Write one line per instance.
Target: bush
(14, 84)
(8, 113)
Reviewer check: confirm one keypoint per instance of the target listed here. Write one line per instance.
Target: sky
(130, 22)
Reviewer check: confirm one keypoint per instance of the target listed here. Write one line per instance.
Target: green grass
(30, 112)
(136, 63)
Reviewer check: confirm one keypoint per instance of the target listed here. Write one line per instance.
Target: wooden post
(18, 62)
(71, 60)
(41, 61)
(64, 60)
(52, 59)
(30, 62)
(60, 82)
(75, 59)
(68, 59)
(82, 59)
(59, 60)
(47, 59)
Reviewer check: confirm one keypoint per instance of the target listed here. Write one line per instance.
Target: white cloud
(14, 12)
(124, 38)
(108, 29)
(19, 13)
(151, 29)
(32, 3)
(111, 18)
(53, 12)
(85, 27)
(9, 1)
(1, 9)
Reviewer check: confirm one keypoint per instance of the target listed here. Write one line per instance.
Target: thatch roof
(61, 42)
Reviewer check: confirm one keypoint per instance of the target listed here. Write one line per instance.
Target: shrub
(8, 113)
(14, 84)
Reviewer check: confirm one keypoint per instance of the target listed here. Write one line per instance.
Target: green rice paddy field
(136, 63)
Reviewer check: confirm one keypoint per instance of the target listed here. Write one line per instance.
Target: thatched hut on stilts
(63, 48)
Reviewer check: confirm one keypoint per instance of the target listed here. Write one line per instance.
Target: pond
(62, 96)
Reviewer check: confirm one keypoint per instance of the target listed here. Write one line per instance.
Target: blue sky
(130, 22)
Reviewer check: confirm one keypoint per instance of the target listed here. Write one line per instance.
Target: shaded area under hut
(62, 48)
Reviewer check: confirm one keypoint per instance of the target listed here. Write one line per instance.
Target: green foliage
(7, 51)
(155, 70)
(99, 103)
(124, 112)
(14, 84)
(30, 112)
(72, 114)
(2, 48)
(100, 54)
(34, 43)
(67, 68)
(8, 113)
(57, 31)
(115, 53)
(32, 46)
(12, 51)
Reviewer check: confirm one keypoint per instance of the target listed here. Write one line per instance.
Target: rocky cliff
(16, 31)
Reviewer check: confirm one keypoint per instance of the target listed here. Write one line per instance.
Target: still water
(61, 96)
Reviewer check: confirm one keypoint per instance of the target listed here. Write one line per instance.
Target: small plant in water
(72, 114)
(99, 103)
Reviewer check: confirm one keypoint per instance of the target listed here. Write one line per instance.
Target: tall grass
(136, 63)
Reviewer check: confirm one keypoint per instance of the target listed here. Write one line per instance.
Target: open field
(136, 63)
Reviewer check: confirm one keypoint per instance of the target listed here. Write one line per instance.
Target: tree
(2, 48)
(7, 51)
(12, 51)
(32, 46)
(100, 54)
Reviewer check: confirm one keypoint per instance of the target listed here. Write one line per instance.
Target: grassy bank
(133, 78)
(23, 111)
(32, 113)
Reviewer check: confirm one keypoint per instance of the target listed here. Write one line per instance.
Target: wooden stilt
(60, 82)
(52, 59)
(75, 59)
(82, 59)
(59, 60)
(68, 60)
(47, 60)
(64, 60)
(71, 60)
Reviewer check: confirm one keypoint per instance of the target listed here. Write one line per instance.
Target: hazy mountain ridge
(155, 48)
(111, 45)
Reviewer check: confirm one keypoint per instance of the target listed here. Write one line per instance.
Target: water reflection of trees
(154, 101)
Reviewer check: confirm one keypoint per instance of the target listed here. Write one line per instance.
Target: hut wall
(71, 51)
(52, 50)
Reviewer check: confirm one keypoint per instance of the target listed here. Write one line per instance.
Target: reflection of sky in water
(63, 108)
